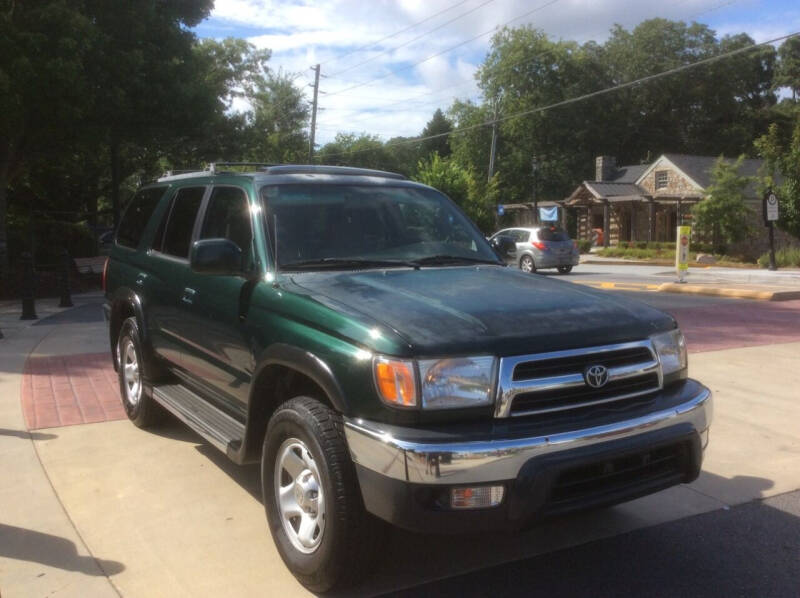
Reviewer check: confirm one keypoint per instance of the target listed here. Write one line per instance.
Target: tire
(134, 384)
(564, 269)
(340, 538)
(526, 264)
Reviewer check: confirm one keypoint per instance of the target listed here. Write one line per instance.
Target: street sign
(771, 207)
(682, 237)
(501, 209)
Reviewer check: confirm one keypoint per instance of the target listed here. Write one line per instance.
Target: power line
(587, 96)
(445, 51)
(396, 33)
(412, 40)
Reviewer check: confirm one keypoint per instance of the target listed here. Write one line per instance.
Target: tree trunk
(5, 156)
(115, 180)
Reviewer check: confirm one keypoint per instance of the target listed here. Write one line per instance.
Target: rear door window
(137, 215)
(180, 222)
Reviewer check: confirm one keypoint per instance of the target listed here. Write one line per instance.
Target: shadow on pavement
(26, 434)
(83, 314)
(54, 551)
(749, 550)
(596, 544)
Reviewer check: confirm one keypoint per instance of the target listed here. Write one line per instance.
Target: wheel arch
(125, 304)
(283, 372)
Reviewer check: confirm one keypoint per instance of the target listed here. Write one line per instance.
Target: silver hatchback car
(540, 247)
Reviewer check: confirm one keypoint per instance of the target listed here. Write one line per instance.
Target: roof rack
(213, 167)
(324, 169)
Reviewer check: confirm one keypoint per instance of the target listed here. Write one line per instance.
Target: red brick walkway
(70, 389)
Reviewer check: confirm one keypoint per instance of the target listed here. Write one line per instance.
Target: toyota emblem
(596, 376)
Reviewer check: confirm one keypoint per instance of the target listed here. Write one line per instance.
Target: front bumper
(406, 477)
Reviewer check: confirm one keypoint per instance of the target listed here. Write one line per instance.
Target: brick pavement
(65, 390)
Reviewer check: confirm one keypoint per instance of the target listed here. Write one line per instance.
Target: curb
(693, 289)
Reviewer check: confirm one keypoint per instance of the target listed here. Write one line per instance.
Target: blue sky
(390, 94)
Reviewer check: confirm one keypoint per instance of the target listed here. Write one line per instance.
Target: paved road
(747, 550)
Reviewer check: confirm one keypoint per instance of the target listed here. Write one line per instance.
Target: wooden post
(651, 233)
(606, 224)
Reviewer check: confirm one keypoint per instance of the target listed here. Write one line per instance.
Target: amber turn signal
(396, 382)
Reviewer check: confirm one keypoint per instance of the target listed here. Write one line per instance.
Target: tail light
(105, 273)
(539, 245)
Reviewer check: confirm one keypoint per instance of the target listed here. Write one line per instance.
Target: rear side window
(137, 215)
(180, 222)
(552, 233)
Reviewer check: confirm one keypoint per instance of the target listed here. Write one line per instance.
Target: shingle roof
(613, 188)
(699, 167)
(629, 174)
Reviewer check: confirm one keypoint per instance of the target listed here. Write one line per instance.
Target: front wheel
(526, 264)
(564, 269)
(312, 499)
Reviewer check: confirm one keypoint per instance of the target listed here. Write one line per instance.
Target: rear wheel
(312, 499)
(526, 264)
(134, 383)
(564, 269)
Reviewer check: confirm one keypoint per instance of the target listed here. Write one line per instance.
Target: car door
(169, 266)
(218, 356)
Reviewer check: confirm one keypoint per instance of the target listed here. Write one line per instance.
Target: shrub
(788, 257)
(584, 245)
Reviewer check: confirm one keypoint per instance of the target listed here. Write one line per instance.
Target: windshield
(351, 225)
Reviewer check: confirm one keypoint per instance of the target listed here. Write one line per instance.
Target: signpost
(682, 252)
(770, 209)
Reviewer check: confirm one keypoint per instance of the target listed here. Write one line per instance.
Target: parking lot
(103, 508)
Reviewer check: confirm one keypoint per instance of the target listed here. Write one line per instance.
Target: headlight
(451, 383)
(671, 350)
(456, 382)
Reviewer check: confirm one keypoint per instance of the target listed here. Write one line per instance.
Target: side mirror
(222, 257)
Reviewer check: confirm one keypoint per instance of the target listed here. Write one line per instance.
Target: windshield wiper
(435, 260)
(337, 262)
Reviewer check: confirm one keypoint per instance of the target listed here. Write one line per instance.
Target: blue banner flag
(548, 214)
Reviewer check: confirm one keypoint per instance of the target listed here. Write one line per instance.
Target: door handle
(188, 295)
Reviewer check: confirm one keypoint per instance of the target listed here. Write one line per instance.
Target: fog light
(479, 497)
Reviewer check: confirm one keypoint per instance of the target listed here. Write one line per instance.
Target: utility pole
(493, 151)
(313, 115)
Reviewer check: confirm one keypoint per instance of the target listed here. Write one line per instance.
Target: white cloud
(305, 32)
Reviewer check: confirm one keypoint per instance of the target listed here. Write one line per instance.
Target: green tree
(277, 124)
(781, 154)
(439, 124)
(362, 150)
(446, 176)
(723, 216)
(44, 91)
(788, 71)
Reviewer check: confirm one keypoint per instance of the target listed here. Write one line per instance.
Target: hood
(483, 309)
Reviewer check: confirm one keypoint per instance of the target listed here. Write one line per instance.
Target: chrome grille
(554, 382)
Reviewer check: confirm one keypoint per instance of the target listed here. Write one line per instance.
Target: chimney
(604, 167)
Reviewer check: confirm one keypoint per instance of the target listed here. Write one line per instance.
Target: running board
(217, 427)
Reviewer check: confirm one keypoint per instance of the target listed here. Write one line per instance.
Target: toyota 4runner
(355, 334)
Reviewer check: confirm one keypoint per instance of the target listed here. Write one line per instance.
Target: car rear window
(552, 234)
(137, 215)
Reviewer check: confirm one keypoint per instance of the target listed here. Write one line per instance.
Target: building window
(661, 179)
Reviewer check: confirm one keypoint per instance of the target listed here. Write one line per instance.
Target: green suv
(355, 334)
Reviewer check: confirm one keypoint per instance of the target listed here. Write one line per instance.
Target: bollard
(63, 280)
(28, 305)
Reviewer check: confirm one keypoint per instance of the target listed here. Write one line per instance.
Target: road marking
(620, 286)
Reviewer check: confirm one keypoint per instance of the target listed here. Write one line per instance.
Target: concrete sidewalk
(42, 553)
(100, 508)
